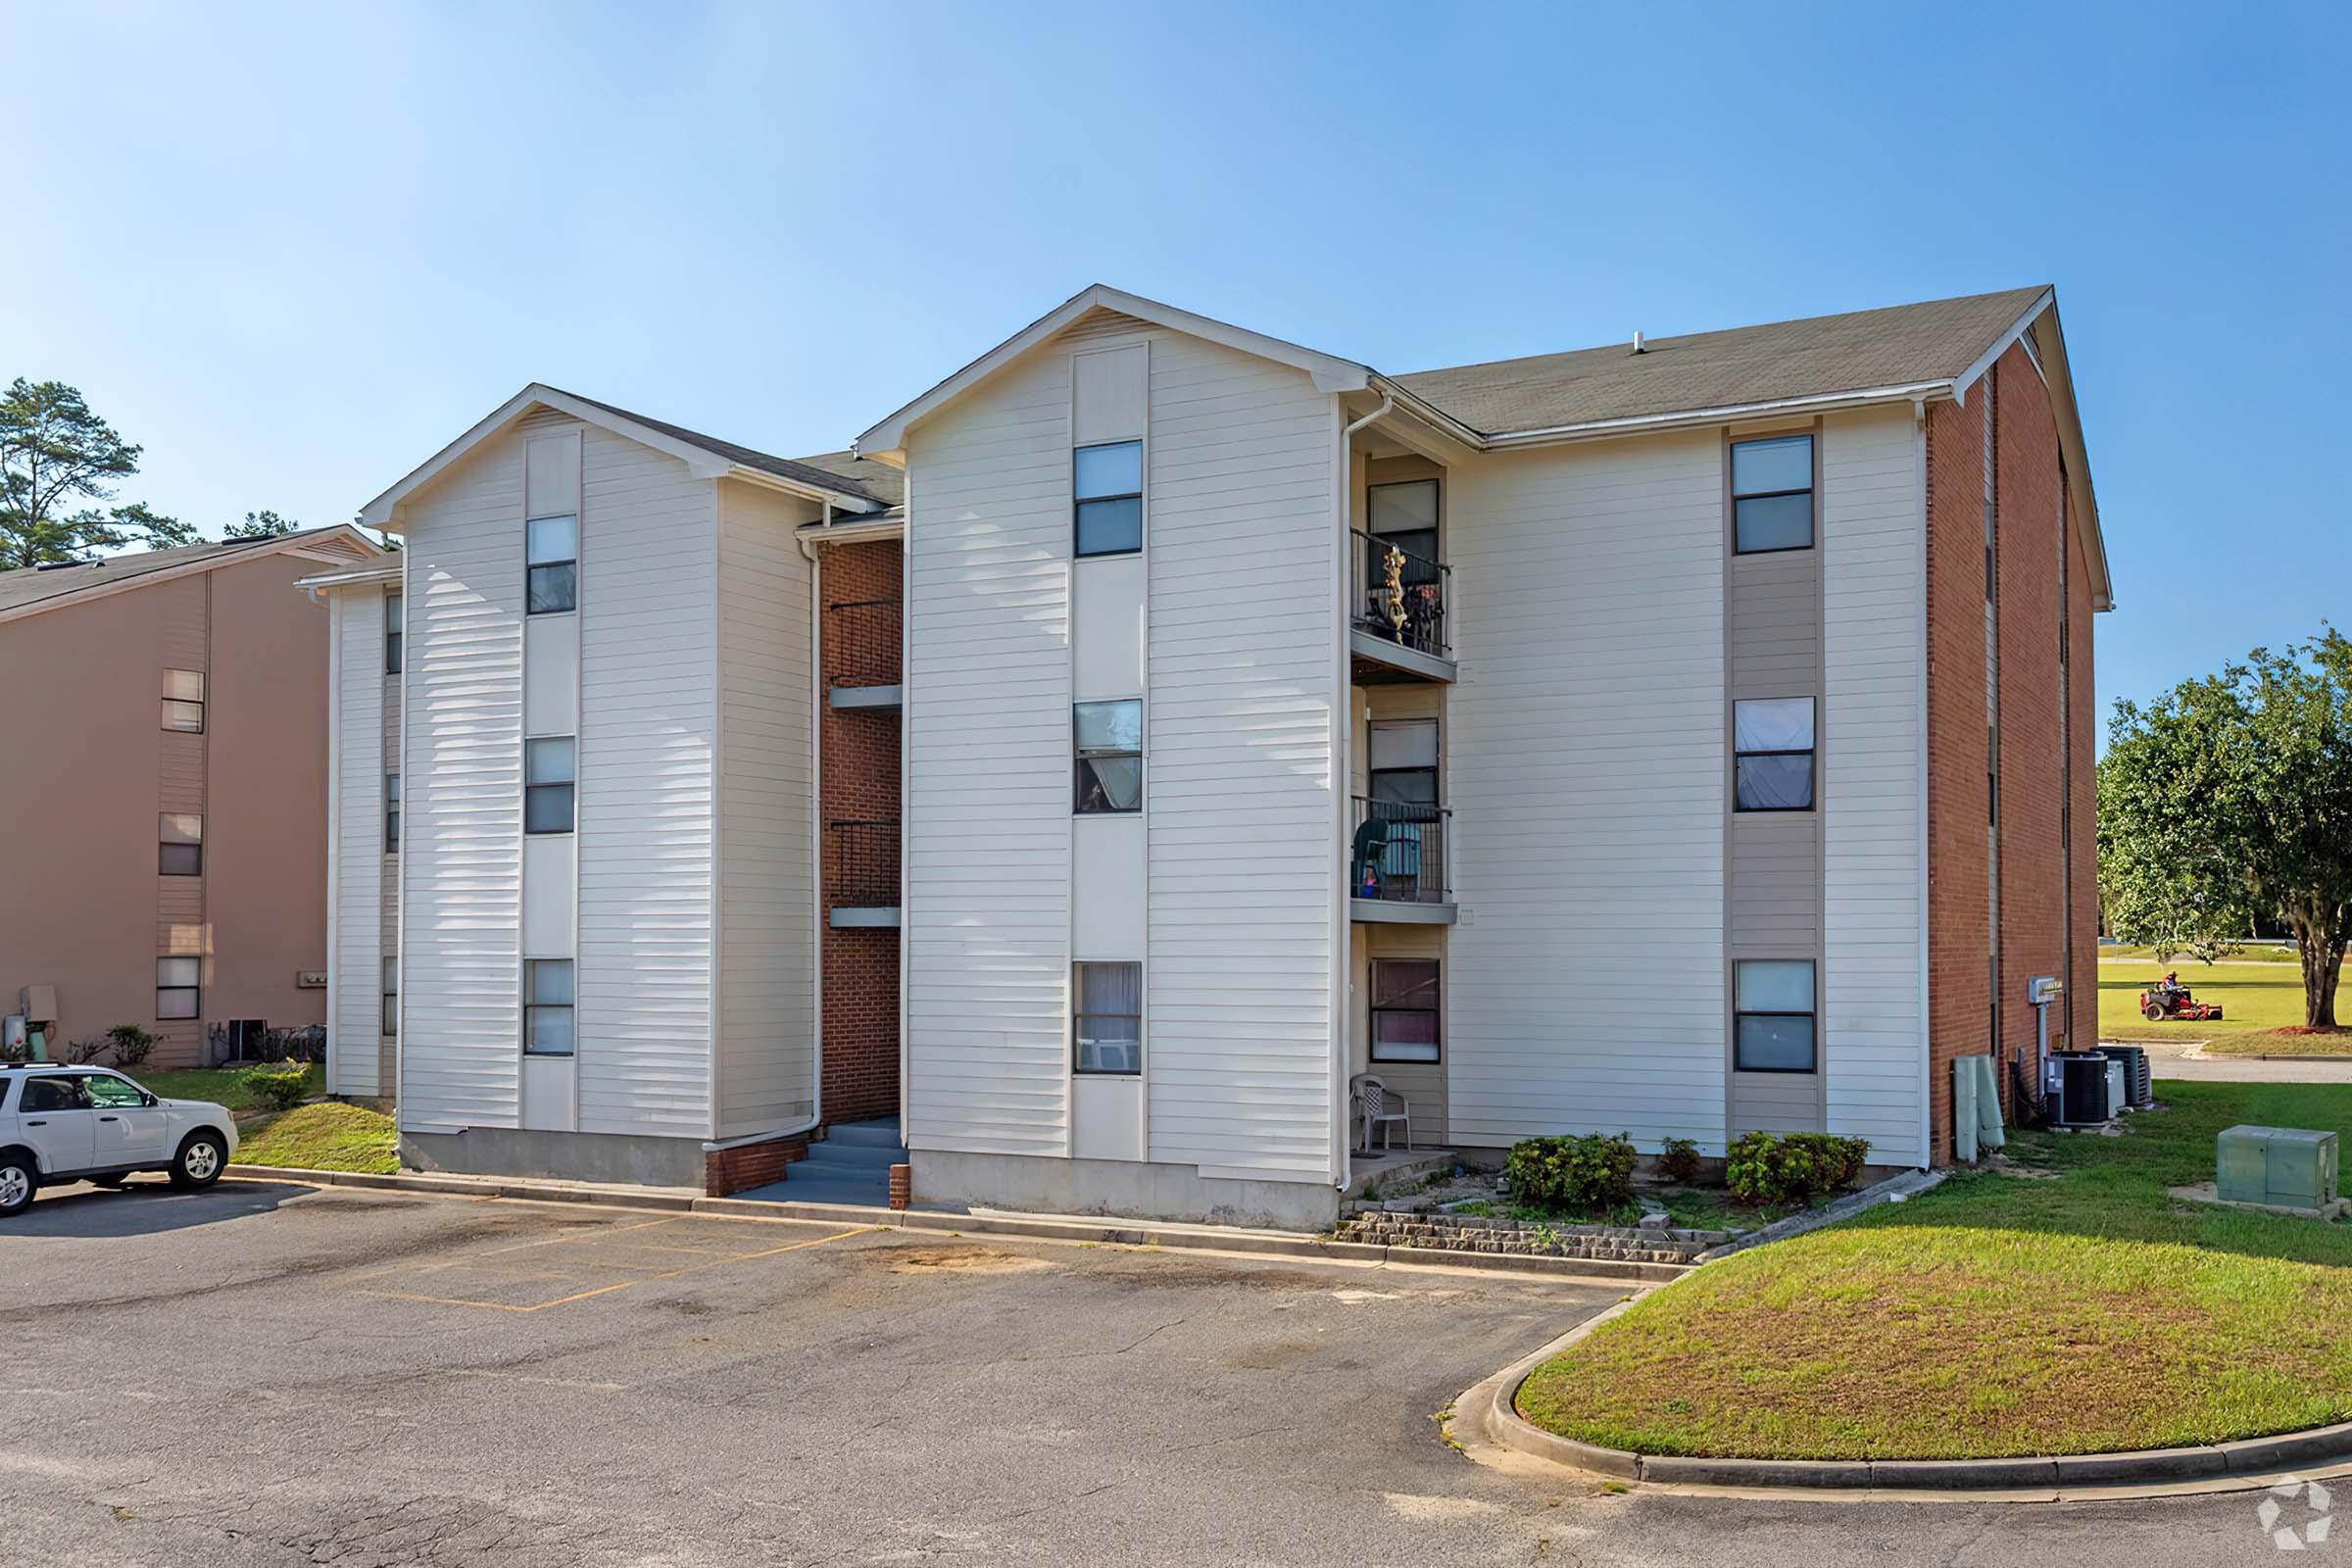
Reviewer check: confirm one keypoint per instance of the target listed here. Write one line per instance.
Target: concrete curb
(1495, 1406)
(1034, 1227)
(1901, 1186)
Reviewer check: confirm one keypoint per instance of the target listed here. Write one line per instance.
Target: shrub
(81, 1052)
(1792, 1167)
(281, 1086)
(1592, 1174)
(131, 1043)
(1679, 1160)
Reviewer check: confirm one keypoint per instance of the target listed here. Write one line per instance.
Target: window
(108, 1092)
(1772, 494)
(551, 554)
(1109, 738)
(547, 1006)
(1773, 738)
(179, 986)
(391, 998)
(1404, 1009)
(391, 813)
(1108, 1022)
(546, 785)
(59, 1093)
(1107, 482)
(391, 634)
(1405, 516)
(1404, 763)
(184, 701)
(1774, 1022)
(180, 850)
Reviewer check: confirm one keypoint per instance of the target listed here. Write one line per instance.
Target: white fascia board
(2001, 346)
(1329, 372)
(384, 512)
(1682, 419)
(351, 579)
(851, 533)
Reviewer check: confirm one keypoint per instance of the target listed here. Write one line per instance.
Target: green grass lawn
(2075, 1308)
(219, 1084)
(2254, 998)
(327, 1136)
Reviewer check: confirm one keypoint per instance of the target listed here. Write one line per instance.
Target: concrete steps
(850, 1165)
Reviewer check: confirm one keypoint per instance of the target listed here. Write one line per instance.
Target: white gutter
(1594, 429)
(1342, 725)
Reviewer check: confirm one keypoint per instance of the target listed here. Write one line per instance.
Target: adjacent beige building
(162, 801)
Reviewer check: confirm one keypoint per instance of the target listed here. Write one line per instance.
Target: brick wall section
(860, 782)
(749, 1166)
(2084, 994)
(2032, 526)
(2034, 883)
(1957, 916)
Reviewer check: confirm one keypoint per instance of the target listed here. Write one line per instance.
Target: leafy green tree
(264, 524)
(2230, 799)
(58, 468)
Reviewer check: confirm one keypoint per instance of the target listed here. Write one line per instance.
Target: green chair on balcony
(1364, 857)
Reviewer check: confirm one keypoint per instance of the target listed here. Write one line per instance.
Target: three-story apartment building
(1681, 737)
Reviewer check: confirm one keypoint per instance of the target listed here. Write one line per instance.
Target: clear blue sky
(292, 251)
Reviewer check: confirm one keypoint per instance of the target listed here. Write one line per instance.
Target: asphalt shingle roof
(1822, 355)
(27, 585)
(827, 470)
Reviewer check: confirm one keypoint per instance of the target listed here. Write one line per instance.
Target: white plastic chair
(1370, 1098)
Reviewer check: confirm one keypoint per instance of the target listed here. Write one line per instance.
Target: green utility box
(2285, 1167)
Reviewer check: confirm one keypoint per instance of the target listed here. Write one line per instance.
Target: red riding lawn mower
(2169, 1000)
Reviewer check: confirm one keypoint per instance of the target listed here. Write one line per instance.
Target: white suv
(67, 1124)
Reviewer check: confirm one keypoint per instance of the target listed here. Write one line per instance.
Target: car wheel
(200, 1160)
(17, 1183)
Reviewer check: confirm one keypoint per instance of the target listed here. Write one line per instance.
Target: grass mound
(327, 1136)
(2082, 1313)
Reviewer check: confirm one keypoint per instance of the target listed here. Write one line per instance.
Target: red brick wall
(749, 1166)
(2034, 883)
(2034, 785)
(1957, 914)
(860, 782)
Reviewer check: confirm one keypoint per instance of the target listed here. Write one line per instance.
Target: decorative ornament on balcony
(1392, 587)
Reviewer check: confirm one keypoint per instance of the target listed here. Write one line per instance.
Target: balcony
(862, 874)
(1396, 612)
(1397, 864)
(863, 642)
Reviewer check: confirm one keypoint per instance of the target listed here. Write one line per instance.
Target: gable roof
(843, 472)
(1891, 349)
(1330, 372)
(28, 590)
(705, 457)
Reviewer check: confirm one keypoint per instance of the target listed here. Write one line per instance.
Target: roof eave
(1724, 414)
(887, 439)
(296, 544)
(702, 462)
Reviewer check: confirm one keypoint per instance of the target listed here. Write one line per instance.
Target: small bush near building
(281, 1086)
(131, 1043)
(1792, 1167)
(1588, 1175)
(1679, 1160)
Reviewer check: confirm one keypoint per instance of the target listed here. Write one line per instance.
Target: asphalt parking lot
(265, 1374)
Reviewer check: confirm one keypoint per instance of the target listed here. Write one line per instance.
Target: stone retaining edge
(1039, 1227)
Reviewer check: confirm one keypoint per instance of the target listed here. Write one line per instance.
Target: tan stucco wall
(83, 758)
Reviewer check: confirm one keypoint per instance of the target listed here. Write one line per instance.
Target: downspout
(1343, 935)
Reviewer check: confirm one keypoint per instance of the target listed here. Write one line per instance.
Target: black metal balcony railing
(1397, 853)
(863, 642)
(1397, 594)
(861, 864)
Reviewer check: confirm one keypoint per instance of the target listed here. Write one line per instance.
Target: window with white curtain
(1773, 741)
(1108, 1018)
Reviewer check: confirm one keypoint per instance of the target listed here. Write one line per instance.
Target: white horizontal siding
(646, 798)
(1585, 770)
(767, 802)
(462, 788)
(1241, 786)
(988, 769)
(1874, 541)
(354, 1015)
